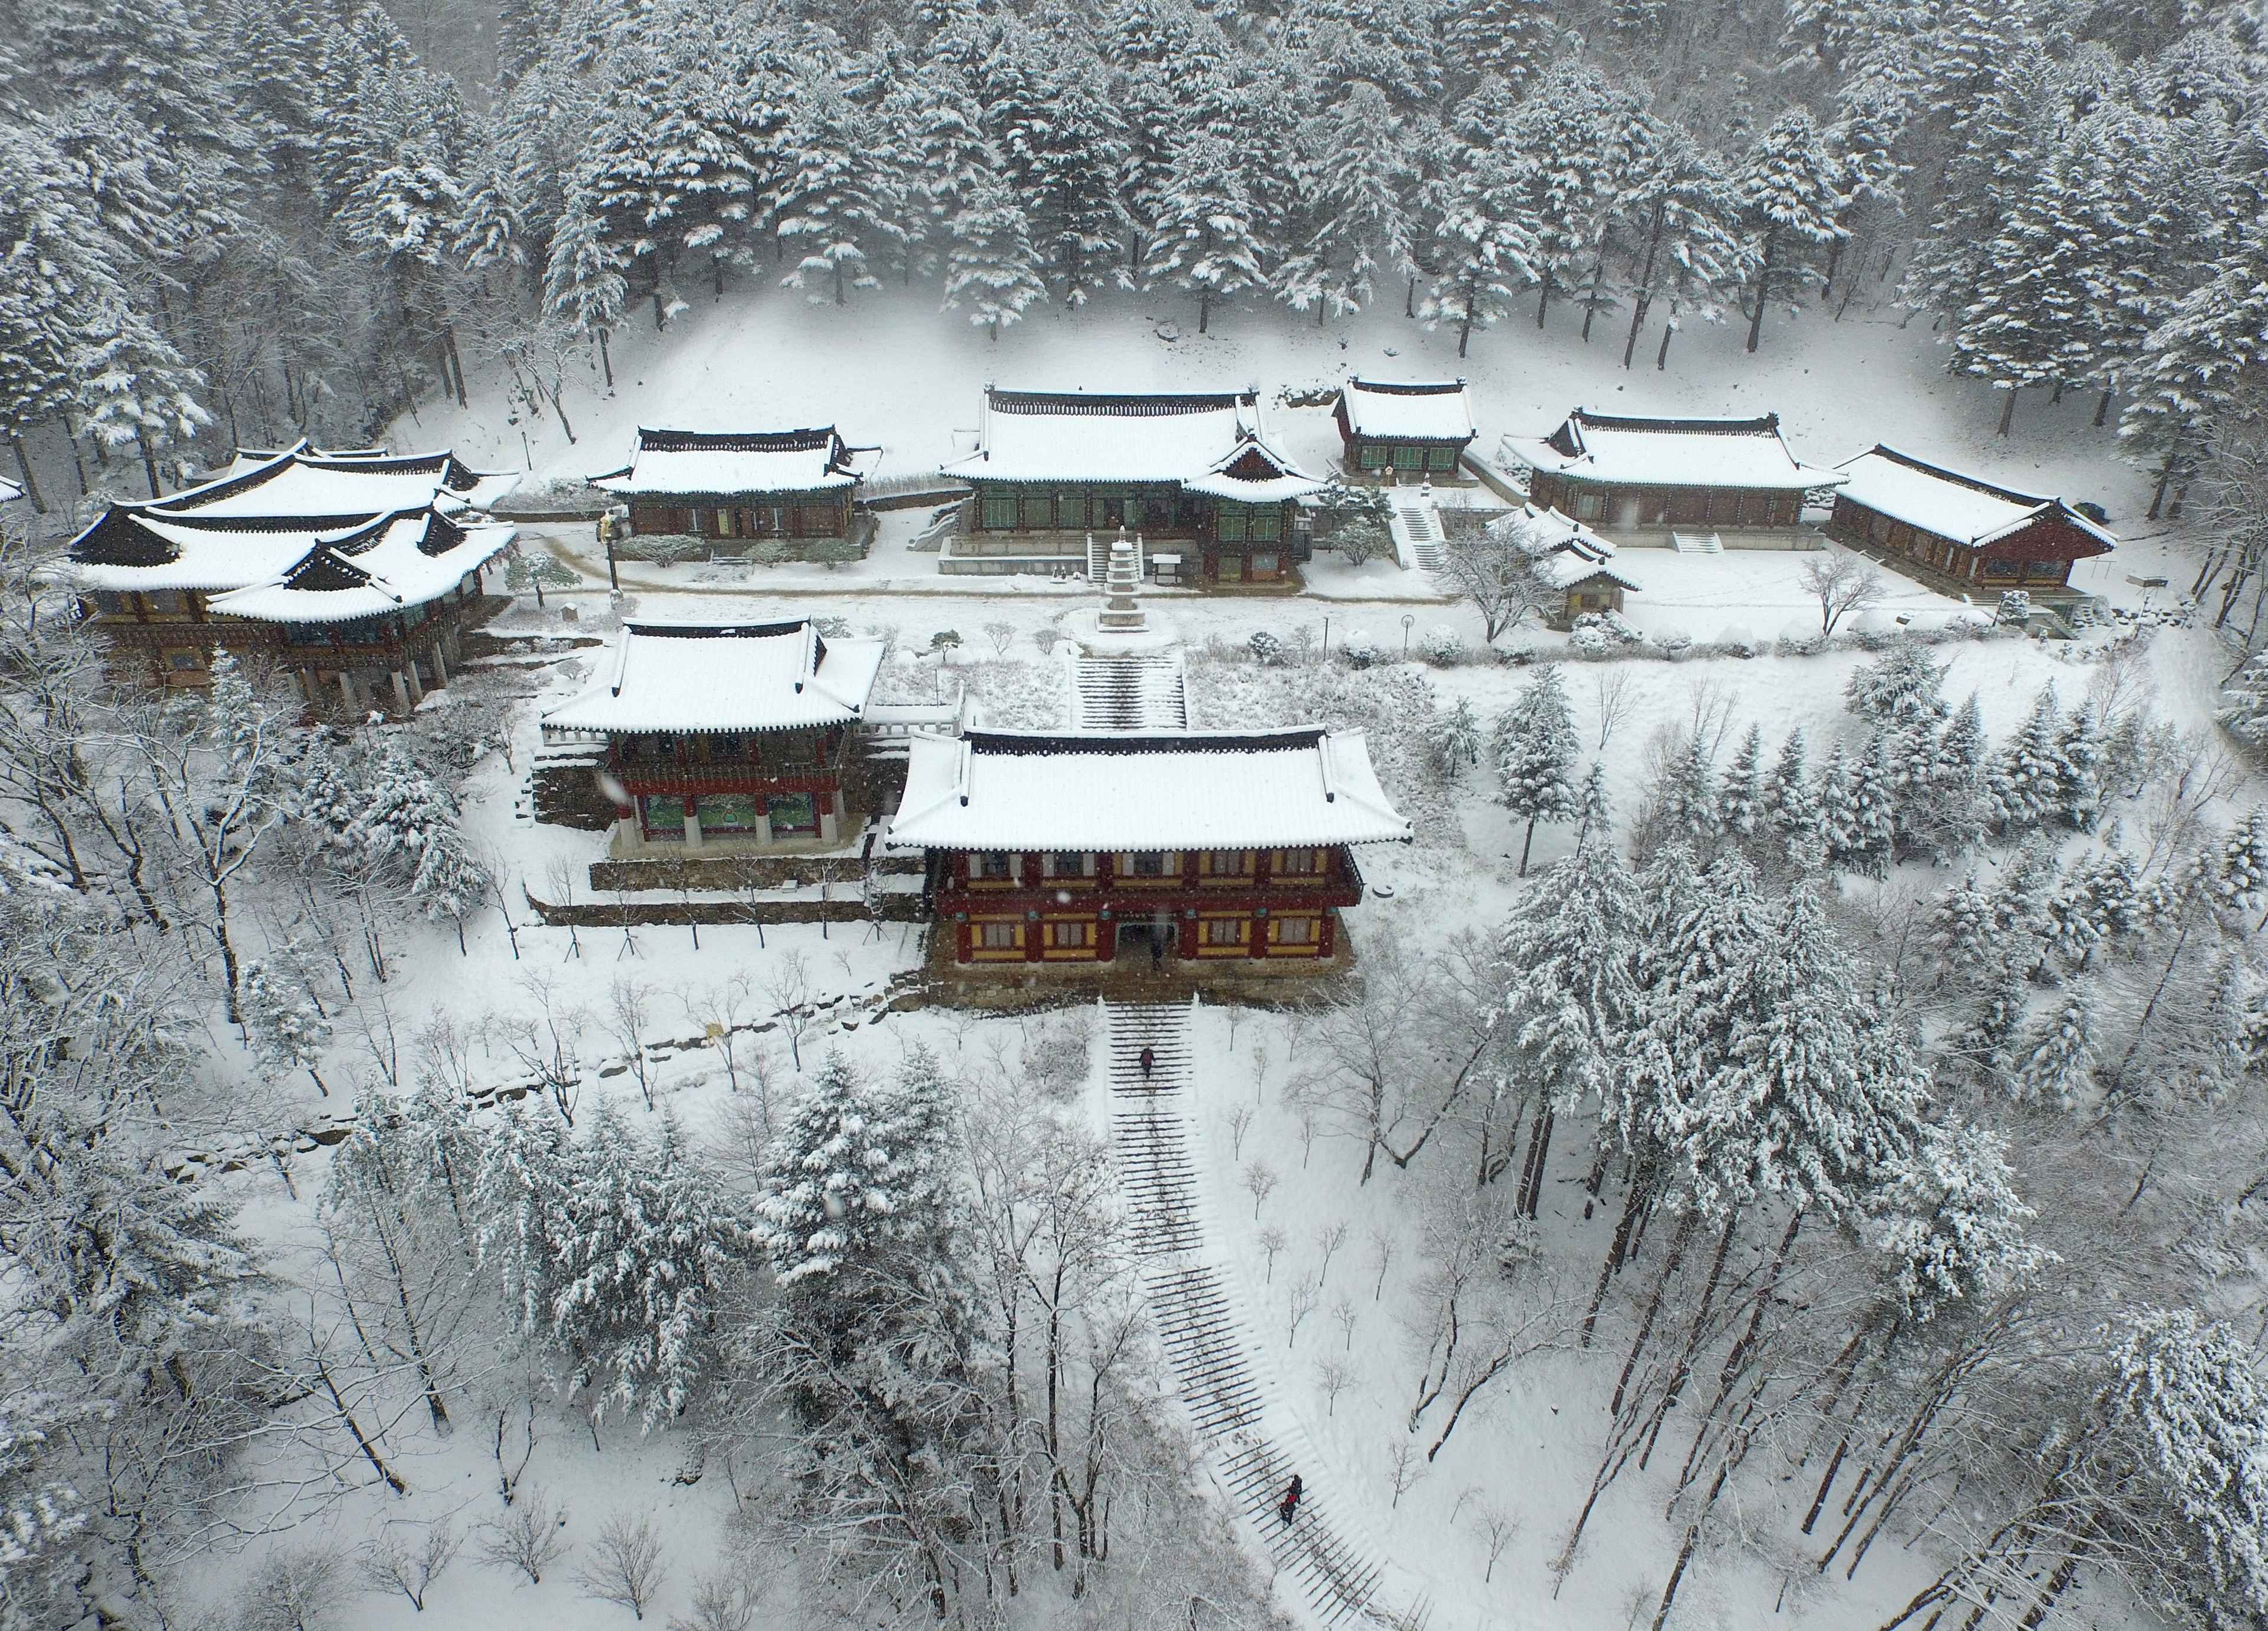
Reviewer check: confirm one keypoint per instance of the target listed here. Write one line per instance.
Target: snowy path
(1144, 693)
(1247, 1434)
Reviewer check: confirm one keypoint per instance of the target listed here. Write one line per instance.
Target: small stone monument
(1121, 609)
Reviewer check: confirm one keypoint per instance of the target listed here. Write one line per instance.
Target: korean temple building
(1640, 480)
(1577, 562)
(355, 572)
(1938, 524)
(1398, 431)
(724, 738)
(1200, 845)
(795, 486)
(1190, 469)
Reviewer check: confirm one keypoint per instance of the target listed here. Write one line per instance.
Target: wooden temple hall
(1187, 470)
(1081, 848)
(795, 486)
(355, 573)
(1956, 532)
(1641, 480)
(723, 740)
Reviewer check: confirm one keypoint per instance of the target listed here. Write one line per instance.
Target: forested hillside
(223, 222)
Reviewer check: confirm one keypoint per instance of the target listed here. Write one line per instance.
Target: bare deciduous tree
(409, 1559)
(1610, 693)
(628, 1017)
(625, 1564)
(530, 1539)
(1841, 583)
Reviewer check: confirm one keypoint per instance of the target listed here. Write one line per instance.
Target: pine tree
(1509, 39)
(2244, 701)
(1839, 826)
(1900, 688)
(2078, 759)
(283, 1021)
(1988, 1041)
(1536, 762)
(2240, 878)
(1948, 1217)
(1964, 928)
(991, 266)
(1689, 796)
(2184, 1409)
(1207, 242)
(1956, 792)
(583, 285)
(1569, 953)
(1568, 154)
(1360, 178)
(2203, 365)
(1741, 811)
(1679, 232)
(2024, 785)
(830, 195)
(1787, 189)
(2061, 1059)
(1872, 836)
(1482, 249)
(830, 1200)
(1050, 109)
(1456, 740)
(1797, 817)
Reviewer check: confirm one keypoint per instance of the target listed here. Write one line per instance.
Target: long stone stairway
(1136, 692)
(1416, 529)
(1246, 1433)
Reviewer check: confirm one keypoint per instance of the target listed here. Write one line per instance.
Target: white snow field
(1472, 1539)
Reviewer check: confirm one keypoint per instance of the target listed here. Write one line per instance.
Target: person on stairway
(1149, 1059)
(1288, 1507)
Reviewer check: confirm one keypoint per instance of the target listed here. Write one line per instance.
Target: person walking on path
(1157, 955)
(1288, 1507)
(1149, 1059)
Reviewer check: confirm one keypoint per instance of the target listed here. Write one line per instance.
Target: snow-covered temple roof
(9, 490)
(695, 678)
(301, 483)
(392, 563)
(1410, 411)
(1568, 552)
(1142, 791)
(1966, 508)
(726, 463)
(1200, 440)
(254, 524)
(1745, 454)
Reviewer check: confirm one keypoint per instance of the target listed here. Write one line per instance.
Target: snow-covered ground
(892, 372)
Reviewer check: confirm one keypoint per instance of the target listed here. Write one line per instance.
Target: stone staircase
(1697, 543)
(1142, 693)
(1416, 525)
(1253, 1444)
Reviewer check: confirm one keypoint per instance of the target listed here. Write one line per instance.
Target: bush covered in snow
(2015, 608)
(1359, 651)
(1012, 695)
(1443, 646)
(1266, 649)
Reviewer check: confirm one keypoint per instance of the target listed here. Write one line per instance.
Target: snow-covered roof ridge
(725, 463)
(1566, 551)
(1142, 791)
(1422, 410)
(1953, 504)
(303, 483)
(386, 565)
(1187, 438)
(696, 677)
(9, 491)
(1664, 451)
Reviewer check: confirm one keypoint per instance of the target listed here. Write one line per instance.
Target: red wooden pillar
(1327, 938)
